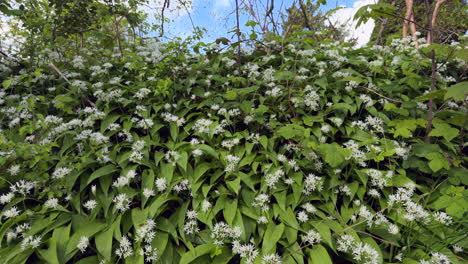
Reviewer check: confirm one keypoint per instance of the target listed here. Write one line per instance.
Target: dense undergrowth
(302, 154)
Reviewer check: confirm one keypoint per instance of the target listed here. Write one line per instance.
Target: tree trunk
(409, 12)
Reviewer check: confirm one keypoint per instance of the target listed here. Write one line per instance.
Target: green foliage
(304, 154)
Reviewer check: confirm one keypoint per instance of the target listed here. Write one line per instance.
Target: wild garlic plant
(302, 154)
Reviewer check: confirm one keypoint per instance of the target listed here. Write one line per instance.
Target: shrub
(302, 154)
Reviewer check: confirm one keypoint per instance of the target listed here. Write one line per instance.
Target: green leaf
(104, 243)
(334, 154)
(7, 83)
(319, 255)
(457, 91)
(272, 235)
(444, 130)
(437, 161)
(106, 170)
(290, 131)
(229, 211)
(182, 160)
(190, 256)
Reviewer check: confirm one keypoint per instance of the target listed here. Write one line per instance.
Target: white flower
(230, 143)
(262, 220)
(271, 259)
(393, 229)
(232, 162)
(12, 212)
(262, 201)
(374, 193)
(161, 184)
(148, 192)
(457, 249)
(247, 252)
(309, 208)
(191, 227)
(31, 241)
(197, 152)
(6, 198)
(325, 128)
(312, 183)
(222, 231)
(205, 206)
(142, 93)
(14, 170)
(302, 217)
(272, 178)
(443, 218)
(312, 237)
(90, 204)
(125, 249)
(172, 156)
(122, 202)
(146, 232)
(51, 203)
(83, 244)
(346, 190)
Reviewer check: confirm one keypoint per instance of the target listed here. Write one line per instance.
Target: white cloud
(345, 17)
(222, 4)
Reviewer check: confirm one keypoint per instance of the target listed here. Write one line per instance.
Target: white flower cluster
(230, 143)
(172, 156)
(90, 205)
(142, 93)
(52, 203)
(358, 155)
(83, 244)
(378, 179)
(19, 231)
(312, 237)
(372, 124)
(272, 178)
(312, 183)
(271, 259)
(202, 126)
(108, 96)
(275, 92)
(168, 117)
(161, 184)
(12, 212)
(122, 202)
(146, 232)
(31, 241)
(125, 249)
(436, 258)
(247, 252)
(150, 253)
(124, 180)
(60, 172)
(362, 252)
(182, 186)
(262, 200)
(191, 224)
(222, 231)
(232, 162)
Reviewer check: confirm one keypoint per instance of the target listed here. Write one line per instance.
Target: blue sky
(217, 17)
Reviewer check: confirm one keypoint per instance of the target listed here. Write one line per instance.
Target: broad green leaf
(444, 130)
(319, 255)
(457, 91)
(272, 235)
(106, 170)
(334, 154)
(104, 242)
(190, 256)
